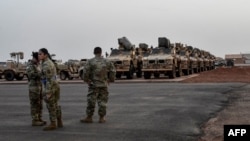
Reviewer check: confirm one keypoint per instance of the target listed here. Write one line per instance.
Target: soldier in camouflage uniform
(35, 90)
(51, 89)
(98, 72)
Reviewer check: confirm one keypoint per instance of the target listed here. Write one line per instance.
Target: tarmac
(138, 110)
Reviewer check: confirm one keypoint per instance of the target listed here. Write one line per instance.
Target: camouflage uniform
(51, 89)
(35, 89)
(98, 72)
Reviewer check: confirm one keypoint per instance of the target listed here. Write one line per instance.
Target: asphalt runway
(136, 112)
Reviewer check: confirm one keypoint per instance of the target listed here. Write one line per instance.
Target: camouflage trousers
(99, 94)
(51, 100)
(36, 103)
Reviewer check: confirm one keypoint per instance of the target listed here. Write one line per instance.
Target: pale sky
(72, 28)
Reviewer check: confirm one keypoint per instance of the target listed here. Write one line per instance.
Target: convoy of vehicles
(172, 60)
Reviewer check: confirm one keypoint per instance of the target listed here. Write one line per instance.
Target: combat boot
(102, 119)
(52, 126)
(37, 123)
(88, 119)
(43, 121)
(59, 117)
(59, 122)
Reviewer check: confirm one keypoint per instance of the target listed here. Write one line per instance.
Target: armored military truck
(162, 60)
(69, 69)
(124, 58)
(200, 58)
(183, 55)
(193, 68)
(141, 52)
(14, 69)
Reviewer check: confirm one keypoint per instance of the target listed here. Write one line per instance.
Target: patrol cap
(97, 50)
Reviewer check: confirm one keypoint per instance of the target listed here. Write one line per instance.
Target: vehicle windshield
(115, 52)
(161, 51)
(182, 53)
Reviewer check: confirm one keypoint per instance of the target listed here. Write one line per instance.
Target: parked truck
(162, 60)
(14, 69)
(124, 59)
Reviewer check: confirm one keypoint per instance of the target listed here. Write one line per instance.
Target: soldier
(35, 88)
(51, 89)
(98, 72)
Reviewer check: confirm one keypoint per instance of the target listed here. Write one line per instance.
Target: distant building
(238, 58)
(247, 58)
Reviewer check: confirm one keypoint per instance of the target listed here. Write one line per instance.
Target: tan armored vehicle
(14, 69)
(162, 60)
(124, 58)
(212, 61)
(184, 57)
(204, 56)
(198, 55)
(69, 69)
(194, 61)
(209, 60)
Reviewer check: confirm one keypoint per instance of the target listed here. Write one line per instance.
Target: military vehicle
(193, 60)
(124, 59)
(14, 69)
(196, 53)
(69, 69)
(162, 60)
(204, 56)
(211, 60)
(140, 52)
(184, 57)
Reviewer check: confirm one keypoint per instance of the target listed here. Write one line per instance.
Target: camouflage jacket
(48, 76)
(98, 71)
(34, 74)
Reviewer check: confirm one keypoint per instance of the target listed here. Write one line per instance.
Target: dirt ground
(237, 111)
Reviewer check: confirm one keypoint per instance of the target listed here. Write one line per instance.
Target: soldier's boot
(50, 127)
(43, 121)
(102, 119)
(59, 117)
(88, 119)
(59, 122)
(37, 123)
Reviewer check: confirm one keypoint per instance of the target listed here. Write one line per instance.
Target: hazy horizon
(71, 29)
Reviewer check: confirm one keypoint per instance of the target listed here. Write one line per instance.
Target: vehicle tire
(186, 72)
(130, 73)
(9, 75)
(172, 74)
(19, 77)
(81, 74)
(156, 75)
(179, 73)
(139, 74)
(118, 75)
(147, 75)
(191, 70)
(63, 75)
